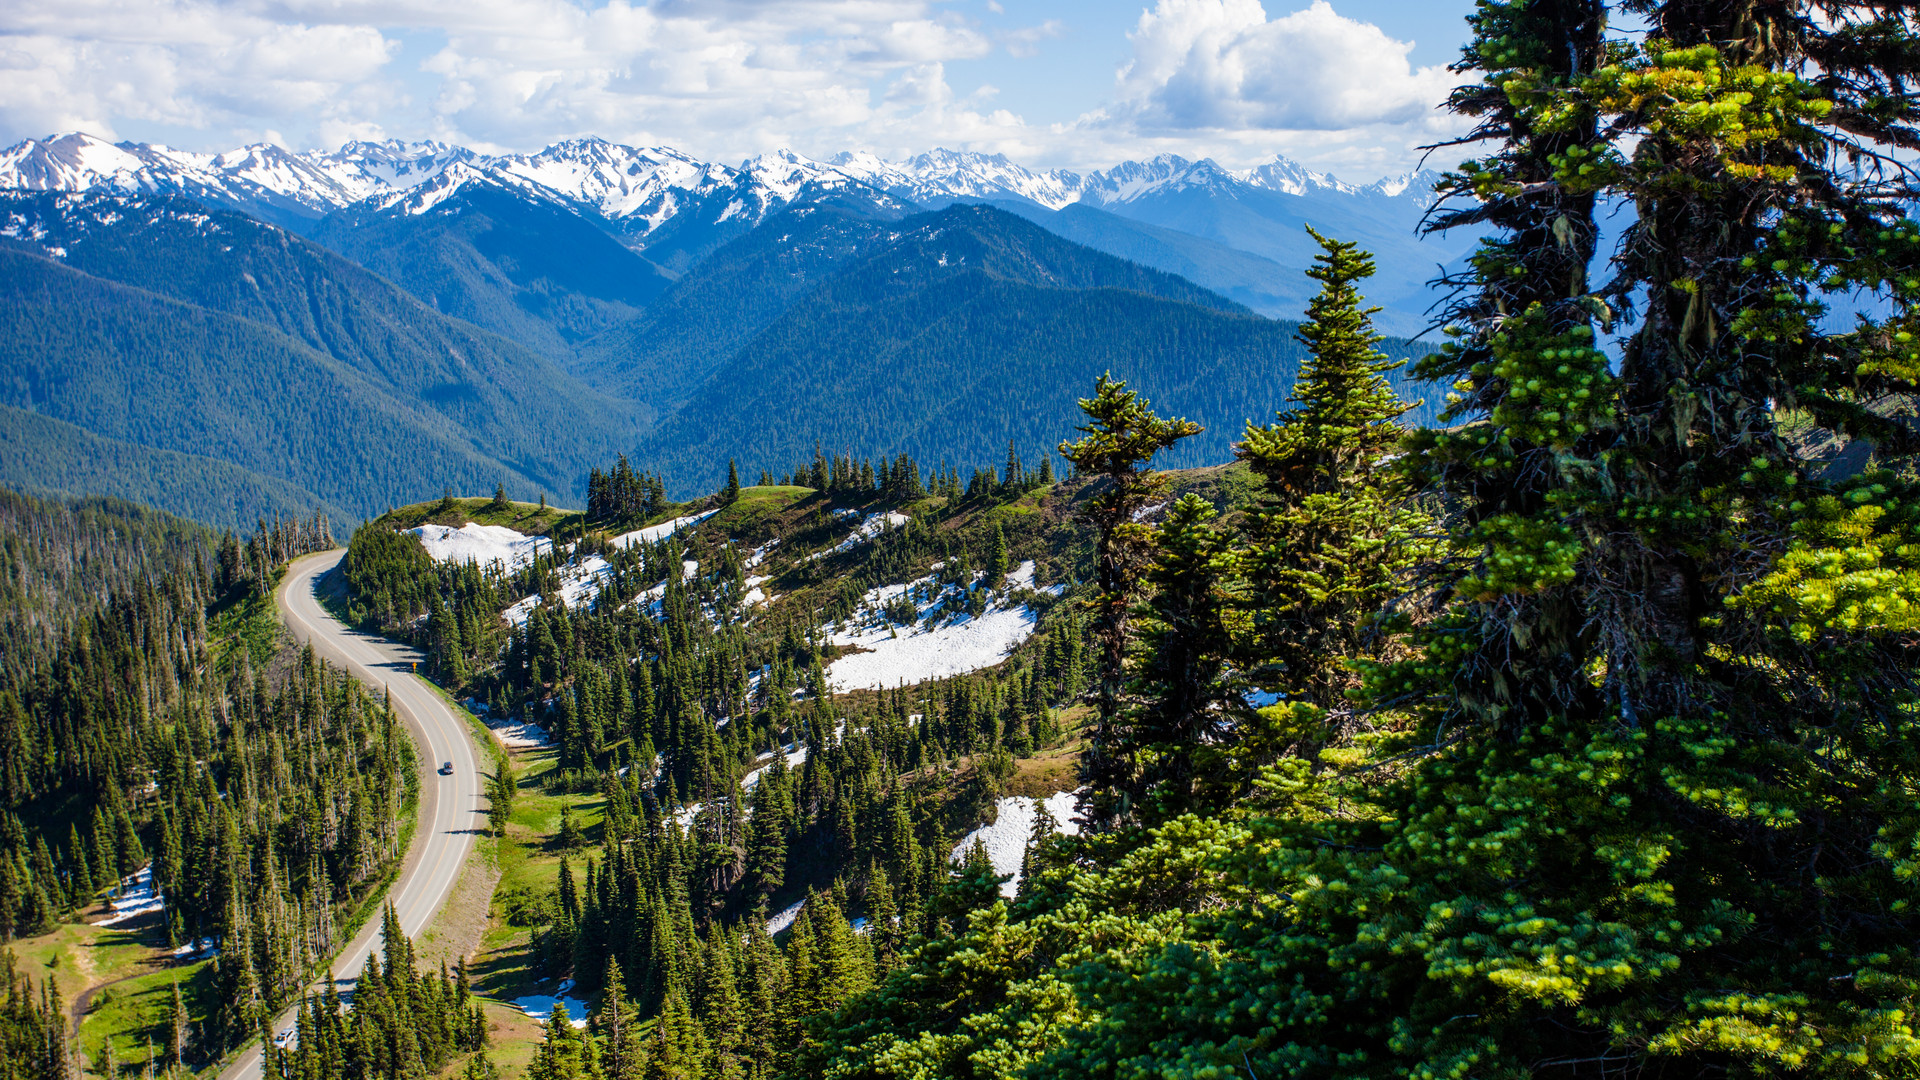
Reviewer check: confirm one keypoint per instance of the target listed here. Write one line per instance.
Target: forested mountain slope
(961, 331)
(46, 456)
(152, 320)
(63, 560)
(712, 313)
(137, 367)
(528, 270)
(243, 802)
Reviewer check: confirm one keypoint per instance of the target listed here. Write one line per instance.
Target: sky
(1346, 86)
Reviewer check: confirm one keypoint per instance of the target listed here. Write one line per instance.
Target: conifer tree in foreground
(1653, 807)
(1659, 811)
(1175, 727)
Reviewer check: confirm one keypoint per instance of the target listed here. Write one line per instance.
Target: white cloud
(721, 79)
(1222, 64)
(192, 65)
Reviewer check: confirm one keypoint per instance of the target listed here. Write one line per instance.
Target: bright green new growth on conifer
(1657, 808)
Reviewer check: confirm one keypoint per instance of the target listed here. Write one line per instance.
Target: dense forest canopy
(1627, 781)
(1575, 734)
(156, 727)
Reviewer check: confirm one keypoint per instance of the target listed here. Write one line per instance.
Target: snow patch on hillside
(917, 653)
(871, 526)
(760, 554)
(580, 585)
(754, 594)
(796, 756)
(581, 582)
(1006, 838)
(784, 917)
(137, 896)
(195, 950)
(655, 533)
(514, 732)
(481, 544)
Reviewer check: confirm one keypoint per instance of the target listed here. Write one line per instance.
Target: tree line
(170, 730)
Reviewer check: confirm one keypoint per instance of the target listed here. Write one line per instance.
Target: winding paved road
(452, 808)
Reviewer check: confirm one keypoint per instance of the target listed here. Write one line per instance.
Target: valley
(601, 612)
(639, 294)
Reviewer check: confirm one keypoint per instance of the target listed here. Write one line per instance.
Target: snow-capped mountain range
(638, 189)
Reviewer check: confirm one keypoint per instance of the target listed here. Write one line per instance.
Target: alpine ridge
(675, 209)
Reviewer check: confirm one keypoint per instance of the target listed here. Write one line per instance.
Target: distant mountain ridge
(153, 320)
(330, 329)
(640, 186)
(675, 209)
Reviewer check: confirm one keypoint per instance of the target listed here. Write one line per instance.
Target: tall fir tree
(1122, 434)
(1171, 743)
(1334, 538)
(1654, 813)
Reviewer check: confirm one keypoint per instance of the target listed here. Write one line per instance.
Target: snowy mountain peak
(74, 161)
(966, 172)
(635, 190)
(617, 181)
(1289, 177)
(271, 168)
(1413, 185)
(783, 173)
(458, 177)
(1128, 181)
(363, 168)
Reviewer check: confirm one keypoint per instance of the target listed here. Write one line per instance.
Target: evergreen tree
(501, 789)
(617, 1027)
(731, 493)
(1169, 747)
(1334, 539)
(678, 1048)
(1121, 435)
(563, 1054)
(499, 498)
(177, 1030)
(1648, 826)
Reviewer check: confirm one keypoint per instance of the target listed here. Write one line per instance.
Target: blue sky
(1348, 86)
(1073, 72)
